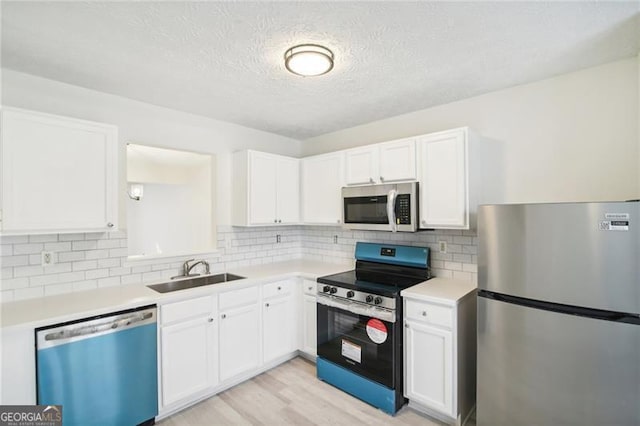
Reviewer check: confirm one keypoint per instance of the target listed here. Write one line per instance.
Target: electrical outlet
(442, 246)
(278, 238)
(335, 239)
(47, 258)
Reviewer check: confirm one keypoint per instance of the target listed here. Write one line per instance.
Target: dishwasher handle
(90, 328)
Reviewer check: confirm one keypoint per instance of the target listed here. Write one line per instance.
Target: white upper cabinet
(397, 161)
(266, 189)
(59, 174)
(361, 165)
(444, 176)
(381, 163)
(322, 181)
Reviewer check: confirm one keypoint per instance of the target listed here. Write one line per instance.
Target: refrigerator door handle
(629, 318)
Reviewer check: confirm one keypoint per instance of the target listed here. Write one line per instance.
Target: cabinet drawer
(187, 309)
(241, 297)
(429, 313)
(309, 287)
(277, 288)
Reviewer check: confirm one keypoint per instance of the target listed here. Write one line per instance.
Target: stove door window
(359, 343)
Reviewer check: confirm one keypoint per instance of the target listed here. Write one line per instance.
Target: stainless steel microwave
(381, 207)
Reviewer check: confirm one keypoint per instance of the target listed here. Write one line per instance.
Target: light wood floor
(289, 394)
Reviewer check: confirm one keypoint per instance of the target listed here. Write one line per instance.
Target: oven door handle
(357, 308)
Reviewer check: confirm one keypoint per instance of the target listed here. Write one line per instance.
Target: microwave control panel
(403, 209)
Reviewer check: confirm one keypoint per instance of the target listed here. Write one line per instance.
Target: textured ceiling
(224, 59)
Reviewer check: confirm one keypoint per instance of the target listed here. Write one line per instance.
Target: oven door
(358, 341)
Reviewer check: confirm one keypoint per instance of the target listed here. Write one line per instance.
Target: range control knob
(333, 290)
(326, 289)
(369, 299)
(350, 294)
(378, 300)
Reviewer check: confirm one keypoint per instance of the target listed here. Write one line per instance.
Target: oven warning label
(351, 351)
(377, 331)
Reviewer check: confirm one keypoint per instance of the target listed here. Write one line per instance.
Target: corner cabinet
(446, 166)
(381, 163)
(322, 181)
(439, 357)
(59, 174)
(266, 189)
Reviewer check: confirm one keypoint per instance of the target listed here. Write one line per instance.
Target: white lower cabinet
(309, 318)
(439, 355)
(239, 332)
(278, 321)
(429, 359)
(189, 361)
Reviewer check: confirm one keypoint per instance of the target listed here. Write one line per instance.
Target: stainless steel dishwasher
(102, 370)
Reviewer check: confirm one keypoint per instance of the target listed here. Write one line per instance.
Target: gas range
(360, 322)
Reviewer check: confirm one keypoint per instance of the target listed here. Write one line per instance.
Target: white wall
(574, 137)
(146, 124)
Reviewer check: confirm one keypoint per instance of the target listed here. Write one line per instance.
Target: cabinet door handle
(279, 220)
(210, 320)
(109, 225)
(310, 288)
(406, 326)
(279, 288)
(424, 313)
(223, 316)
(275, 220)
(381, 179)
(266, 304)
(338, 221)
(371, 180)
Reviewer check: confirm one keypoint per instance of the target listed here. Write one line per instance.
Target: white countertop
(71, 306)
(440, 290)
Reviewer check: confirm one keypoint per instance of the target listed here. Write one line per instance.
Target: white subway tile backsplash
(27, 271)
(109, 262)
(58, 246)
(71, 237)
(83, 265)
(96, 273)
(97, 259)
(84, 245)
(14, 239)
(70, 256)
(85, 285)
(14, 283)
(27, 248)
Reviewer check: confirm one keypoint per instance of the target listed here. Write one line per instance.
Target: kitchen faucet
(186, 268)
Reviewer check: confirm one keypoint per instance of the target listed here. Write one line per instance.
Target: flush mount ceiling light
(308, 60)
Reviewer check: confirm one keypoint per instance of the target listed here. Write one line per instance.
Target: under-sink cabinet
(439, 357)
(240, 331)
(59, 174)
(189, 357)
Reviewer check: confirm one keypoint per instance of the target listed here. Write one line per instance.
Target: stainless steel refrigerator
(559, 314)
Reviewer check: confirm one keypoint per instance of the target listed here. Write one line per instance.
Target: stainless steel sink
(194, 282)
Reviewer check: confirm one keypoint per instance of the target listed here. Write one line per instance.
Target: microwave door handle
(391, 209)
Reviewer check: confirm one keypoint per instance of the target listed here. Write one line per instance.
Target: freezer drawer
(538, 367)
